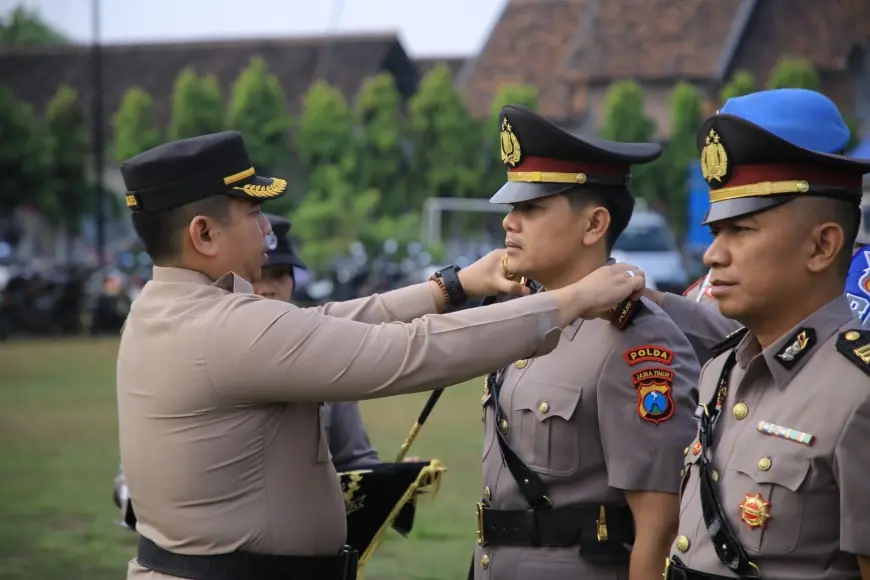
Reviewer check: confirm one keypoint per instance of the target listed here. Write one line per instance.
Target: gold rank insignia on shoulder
(797, 347)
(855, 346)
(714, 160)
(510, 145)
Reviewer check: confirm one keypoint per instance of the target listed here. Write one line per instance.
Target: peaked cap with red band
(770, 147)
(543, 159)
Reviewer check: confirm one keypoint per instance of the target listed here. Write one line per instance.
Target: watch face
(271, 241)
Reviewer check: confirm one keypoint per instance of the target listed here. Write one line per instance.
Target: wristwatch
(448, 279)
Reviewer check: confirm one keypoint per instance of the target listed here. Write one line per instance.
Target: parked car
(649, 243)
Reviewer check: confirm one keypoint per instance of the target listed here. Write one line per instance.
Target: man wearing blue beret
(775, 483)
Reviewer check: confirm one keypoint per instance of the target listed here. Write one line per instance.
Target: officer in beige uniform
(221, 439)
(581, 445)
(775, 484)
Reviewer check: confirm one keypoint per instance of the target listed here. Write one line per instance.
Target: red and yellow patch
(755, 511)
(649, 353)
(654, 401)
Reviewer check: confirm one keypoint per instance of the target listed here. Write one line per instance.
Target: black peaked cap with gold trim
(767, 148)
(543, 159)
(188, 170)
(281, 252)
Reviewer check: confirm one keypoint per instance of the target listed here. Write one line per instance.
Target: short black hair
(616, 200)
(160, 231)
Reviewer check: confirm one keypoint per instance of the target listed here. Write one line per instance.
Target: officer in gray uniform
(775, 484)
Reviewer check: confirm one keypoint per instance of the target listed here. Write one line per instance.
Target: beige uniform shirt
(699, 319)
(816, 491)
(220, 426)
(575, 417)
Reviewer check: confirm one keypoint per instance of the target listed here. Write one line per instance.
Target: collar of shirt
(231, 282)
(826, 321)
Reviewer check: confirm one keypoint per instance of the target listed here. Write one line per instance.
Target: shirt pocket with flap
(548, 438)
(761, 496)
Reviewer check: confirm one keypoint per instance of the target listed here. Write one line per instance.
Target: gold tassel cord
(403, 451)
(429, 479)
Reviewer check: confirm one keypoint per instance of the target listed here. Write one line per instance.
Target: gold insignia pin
(714, 159)
(510, 145)
(852, 335)
(521, 364)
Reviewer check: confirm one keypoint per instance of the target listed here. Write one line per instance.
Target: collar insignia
(798, 345)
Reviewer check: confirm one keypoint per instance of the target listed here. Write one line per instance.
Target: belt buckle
(481, 540)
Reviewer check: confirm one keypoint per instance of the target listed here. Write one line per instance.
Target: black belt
(676, 570)
(248, 565)
(603, 533)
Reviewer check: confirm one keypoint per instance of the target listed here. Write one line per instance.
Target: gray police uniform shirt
(349, 442)
(577, 417)
(791, 455)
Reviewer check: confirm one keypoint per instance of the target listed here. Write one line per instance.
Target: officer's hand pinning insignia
(649, 353)
(797, 346)
(654, 401)
(855, 346)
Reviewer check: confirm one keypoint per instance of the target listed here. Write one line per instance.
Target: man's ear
(827, 241)
(597, 224)
(203, 233)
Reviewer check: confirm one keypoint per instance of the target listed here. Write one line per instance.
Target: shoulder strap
(855, 346)
(528, 481)
(625, 312)
(729, 342)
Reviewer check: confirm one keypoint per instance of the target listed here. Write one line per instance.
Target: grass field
(58, 457)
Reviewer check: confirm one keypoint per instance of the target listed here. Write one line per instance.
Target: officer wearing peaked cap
(775, 483)
(222, 447)
(582, 445)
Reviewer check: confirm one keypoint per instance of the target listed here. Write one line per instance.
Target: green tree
(258, 109)
(741, 83)
(197, 108)
(135, 129)
(673, 166)
(25, 28)
(67, 145)
(507, 94)
(625, 121)
(23, 157)
(332, 215)
(794, 73)
(445, 140)
(383, 165)
(325, 135)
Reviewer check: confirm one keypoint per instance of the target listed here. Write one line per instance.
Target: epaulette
(625, 312)
(855, 346)
(729, 342)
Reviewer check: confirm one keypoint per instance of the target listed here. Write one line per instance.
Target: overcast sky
(427, 28)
